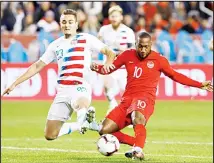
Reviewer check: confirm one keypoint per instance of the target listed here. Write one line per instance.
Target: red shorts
(121, 115)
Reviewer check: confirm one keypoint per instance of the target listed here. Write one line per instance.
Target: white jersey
(117, 39)
(73, 57)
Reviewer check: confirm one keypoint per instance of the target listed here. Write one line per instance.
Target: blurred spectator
(128, 20)
(93, 12)
(180, 11)
(61, 8)
(158, 23)
(174, 24)
(8, 18)
(75, 5)
(40, 12)
(106, 6)
(154, 17)
(48, 23)
(91, 25)
(164, 9)
(193, 23)
(19, 24)
(29, 8)
(29, 27)
(81, 17)
(141, 24)
(192, 7)
(149, 11)
(92, 8)
(129, 8)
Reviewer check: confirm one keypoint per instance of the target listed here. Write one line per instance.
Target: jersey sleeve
(101, 32)
(49, 55)
(176, 76)
(131, 36)
(118, 62)
(95, 44)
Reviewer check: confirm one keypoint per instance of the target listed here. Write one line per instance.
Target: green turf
(177, 132)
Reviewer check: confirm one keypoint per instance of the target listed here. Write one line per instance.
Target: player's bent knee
(136, 121)
(104, 130)
(50, 137)
(82, 102)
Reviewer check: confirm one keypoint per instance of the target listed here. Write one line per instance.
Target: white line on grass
(92, 140)
(85, 151)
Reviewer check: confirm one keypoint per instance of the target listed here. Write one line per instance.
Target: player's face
(115, 18)
(144, 46)
(68, 24)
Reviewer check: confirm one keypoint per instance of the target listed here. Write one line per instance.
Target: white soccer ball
(108, 144)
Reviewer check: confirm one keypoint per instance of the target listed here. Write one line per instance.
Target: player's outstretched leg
(139, 123)
(59, 112)
(124, 138)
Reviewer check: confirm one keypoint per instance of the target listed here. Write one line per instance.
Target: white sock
(68, 128)
(137, 149)
(95, 126)
(81, 115)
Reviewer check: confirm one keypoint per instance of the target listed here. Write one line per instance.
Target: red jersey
(143, 75)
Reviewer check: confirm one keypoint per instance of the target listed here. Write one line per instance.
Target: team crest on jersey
(74, 42)
(150, 64)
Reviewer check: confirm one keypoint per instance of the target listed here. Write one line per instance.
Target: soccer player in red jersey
(144, 67)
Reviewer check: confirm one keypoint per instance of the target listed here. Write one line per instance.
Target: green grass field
(178, 132)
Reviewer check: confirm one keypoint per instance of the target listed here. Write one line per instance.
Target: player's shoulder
(126, 28)
(158, 57)
(129, 52)
(156, 54)
(57, 42)
(106, 27)
(85, 35)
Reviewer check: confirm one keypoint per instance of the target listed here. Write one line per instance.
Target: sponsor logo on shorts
(150, 64)
(81, 89)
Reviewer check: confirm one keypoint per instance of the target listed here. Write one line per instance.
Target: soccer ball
(108, 144)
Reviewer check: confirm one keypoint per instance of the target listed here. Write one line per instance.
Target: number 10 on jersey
(137, 72)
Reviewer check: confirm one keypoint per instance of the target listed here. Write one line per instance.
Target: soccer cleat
(90, 115)
(135, 154)
(84, 127)
(89, 120)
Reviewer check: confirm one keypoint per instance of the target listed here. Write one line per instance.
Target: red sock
(124, 139)
(140, 135)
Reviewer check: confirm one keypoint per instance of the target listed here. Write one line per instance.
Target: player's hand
(94, 66)
(9, 89)
(108, 66)
(207, 86)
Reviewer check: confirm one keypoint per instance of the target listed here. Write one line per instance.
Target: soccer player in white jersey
(73, 54)
(118, 37)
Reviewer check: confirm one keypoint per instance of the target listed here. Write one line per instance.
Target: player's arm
(32, 70)
(99, 46)
(131, 39)
(36, 67)
(118, 62)
(110, 55)
(182, 79)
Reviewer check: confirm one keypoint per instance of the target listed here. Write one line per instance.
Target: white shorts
(65, 101)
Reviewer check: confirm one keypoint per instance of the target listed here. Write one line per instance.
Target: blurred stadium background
(181, 31)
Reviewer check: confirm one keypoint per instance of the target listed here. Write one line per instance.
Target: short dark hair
(144, 35)
(70, 12)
